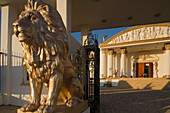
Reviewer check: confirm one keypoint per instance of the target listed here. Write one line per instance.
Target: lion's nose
(16, 24)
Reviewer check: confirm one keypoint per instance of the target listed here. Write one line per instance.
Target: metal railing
(1, 71)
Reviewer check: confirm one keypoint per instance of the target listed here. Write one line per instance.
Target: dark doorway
(144, 70)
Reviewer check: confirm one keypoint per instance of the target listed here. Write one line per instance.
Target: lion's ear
(46, 7)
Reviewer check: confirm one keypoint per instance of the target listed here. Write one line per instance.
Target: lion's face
(27, 26)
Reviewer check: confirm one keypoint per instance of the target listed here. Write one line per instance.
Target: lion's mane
(52, 43)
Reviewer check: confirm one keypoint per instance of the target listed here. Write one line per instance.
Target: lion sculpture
(43, 37)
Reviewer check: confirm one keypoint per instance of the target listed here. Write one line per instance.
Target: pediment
(139, 33)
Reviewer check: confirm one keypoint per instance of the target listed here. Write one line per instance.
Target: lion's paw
(47, 109)
(43, 101)
(30, 107)
(73, 101)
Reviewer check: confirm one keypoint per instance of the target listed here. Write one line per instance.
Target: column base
(79, 108)
(124, 76)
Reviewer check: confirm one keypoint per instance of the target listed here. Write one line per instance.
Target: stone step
(144, 83)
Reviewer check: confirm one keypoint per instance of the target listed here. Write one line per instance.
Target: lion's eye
(29, 17)
(33, 18)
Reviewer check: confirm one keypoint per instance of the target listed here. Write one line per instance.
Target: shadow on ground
(114, 100)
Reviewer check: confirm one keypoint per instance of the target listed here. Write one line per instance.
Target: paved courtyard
(8, 109)
(114, 100)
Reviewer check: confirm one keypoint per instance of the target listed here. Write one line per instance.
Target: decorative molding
(167, 46)
(135, 42)
(147, 58)
(140, 33)
(138, 30)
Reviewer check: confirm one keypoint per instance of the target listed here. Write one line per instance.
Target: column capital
(103, 51)
(167, 46)
(111, 51)
(123, 50)
(114, 54)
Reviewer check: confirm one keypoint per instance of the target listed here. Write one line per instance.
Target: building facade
(138, 52)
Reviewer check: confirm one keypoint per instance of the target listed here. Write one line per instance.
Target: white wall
(161, 64)
(20, 93)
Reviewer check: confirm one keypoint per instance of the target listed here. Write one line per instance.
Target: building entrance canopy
(102, 14)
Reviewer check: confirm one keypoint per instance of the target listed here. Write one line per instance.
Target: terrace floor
(113, 100)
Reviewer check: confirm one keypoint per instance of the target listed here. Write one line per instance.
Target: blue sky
(0, 28)
(108, 32)
(0, 24)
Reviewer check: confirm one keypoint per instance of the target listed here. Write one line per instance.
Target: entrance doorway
(144, 70)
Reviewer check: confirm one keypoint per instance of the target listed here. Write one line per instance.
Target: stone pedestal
(80, 108)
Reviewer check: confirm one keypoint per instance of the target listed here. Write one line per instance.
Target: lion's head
(41, 29)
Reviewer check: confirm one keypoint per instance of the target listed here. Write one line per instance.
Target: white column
(123, 62)
(103, 64)
(167, 59)
(133, 69)
(84, 33)
(4, 27)
(110, 63)
(64, 8)
(4, 47)
(8, 16)
(114, 65)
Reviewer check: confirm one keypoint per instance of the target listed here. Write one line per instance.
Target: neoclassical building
(140, 51)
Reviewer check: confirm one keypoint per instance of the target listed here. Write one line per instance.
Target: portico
(138, 52)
